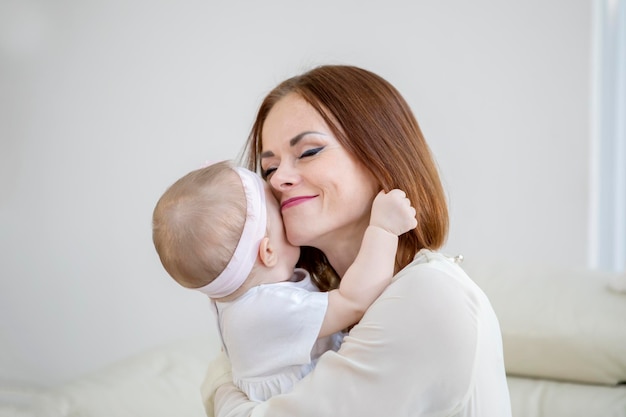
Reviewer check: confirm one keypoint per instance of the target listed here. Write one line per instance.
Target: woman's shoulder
(434, 275)
(429, 264)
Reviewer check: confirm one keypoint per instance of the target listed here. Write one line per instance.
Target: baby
(219, 230)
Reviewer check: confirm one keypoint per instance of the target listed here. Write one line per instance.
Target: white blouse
(430, 345)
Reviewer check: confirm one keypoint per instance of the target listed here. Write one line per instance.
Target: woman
(327, 141)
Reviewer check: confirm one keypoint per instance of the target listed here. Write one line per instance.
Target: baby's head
(209, 225)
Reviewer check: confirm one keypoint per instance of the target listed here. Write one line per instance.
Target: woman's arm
(219, 372)
(413, 353)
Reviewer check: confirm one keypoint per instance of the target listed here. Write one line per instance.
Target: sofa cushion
(161, 382)
(541, 398)
(557, 323)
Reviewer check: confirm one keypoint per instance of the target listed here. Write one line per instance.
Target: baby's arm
(372, 270)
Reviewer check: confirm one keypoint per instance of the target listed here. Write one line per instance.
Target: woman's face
(325, 194)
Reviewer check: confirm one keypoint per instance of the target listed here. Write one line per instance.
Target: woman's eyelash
(267, 172)
(311, 152)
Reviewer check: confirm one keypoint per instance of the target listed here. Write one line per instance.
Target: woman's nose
(284, 178)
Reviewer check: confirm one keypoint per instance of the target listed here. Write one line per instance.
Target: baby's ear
(267, 254)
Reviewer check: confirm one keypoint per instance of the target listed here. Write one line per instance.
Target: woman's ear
(267, 254)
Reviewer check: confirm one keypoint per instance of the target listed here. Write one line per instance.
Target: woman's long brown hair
(373, 122)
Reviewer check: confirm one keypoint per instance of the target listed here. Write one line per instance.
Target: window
(608, 176)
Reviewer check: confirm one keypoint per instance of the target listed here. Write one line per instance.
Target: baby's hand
(393, 212)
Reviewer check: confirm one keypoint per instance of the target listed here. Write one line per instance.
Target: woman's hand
(218, 373)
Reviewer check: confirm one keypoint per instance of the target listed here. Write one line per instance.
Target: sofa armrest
(557, 323)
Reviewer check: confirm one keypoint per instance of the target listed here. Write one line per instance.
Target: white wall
(105, 103)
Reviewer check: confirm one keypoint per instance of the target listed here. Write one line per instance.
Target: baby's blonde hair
(198, 222)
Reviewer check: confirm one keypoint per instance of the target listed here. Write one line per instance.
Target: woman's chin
(299, 238)
(297, 241)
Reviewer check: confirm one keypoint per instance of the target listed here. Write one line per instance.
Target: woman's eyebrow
(293, 141)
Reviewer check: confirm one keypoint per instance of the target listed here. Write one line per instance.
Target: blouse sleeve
(413, 353)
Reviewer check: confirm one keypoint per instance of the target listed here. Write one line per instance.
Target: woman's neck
(342, 248)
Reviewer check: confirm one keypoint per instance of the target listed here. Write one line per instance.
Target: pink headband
(244, 257)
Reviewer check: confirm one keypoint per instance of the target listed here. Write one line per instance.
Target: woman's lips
(290, 202)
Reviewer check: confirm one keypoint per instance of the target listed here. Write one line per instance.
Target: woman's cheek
(296, 232)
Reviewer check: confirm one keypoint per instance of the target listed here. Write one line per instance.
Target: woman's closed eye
(311, 152)
(267, 172)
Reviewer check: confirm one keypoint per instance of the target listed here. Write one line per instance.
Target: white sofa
(564, 334)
